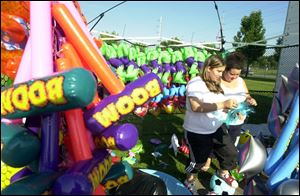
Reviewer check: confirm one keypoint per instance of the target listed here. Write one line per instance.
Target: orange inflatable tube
(18, 8)
(12, 66)
(98, 42)
(73, 59)
(78, 135)
(12, 27)
(10, 61)
(63, 64)
(70, 53)
(85, 49)
(76, 128)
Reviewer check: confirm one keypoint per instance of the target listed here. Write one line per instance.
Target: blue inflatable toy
(284, 169)
(283, 140)
(174, 186)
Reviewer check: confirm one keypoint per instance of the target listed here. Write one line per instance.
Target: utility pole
(192, 38)
(160, 28)
(124, 30)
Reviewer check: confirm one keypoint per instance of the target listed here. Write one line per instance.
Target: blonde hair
(213, 61)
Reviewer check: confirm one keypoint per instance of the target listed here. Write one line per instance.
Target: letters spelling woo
(37, 94)
(126, 103)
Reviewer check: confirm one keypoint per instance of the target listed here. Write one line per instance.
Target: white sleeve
(196, 89)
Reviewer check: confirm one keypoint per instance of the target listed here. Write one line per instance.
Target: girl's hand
(251, 101)
(241, 116)
(230, 104)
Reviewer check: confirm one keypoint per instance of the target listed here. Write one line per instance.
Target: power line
(221, 30)
(102, 14)
(256, 43)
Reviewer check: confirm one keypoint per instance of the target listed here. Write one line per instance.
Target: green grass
(164, 125)
(272, 72)
(161, 127)
(261, 89)
(260, 84)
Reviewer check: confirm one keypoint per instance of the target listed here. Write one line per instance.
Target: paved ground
(255, 129)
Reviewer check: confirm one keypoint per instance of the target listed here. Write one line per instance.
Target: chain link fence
(289, 57)
(276, 61)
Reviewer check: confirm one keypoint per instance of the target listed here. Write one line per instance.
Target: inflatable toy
(24, 72)
(243, 109)
(41, 48)
(14, 31)
(61, 91)
(20, 174)
(10, 62)
(100, 190)
(142, 184)
(119, 173)
(5, 81)
(76, 128)
(87, 51)
(19, 8)
(7, 173)
(141, 111)
(283, 140)
(256, 186)
(282, 102)
(174, 186)
(112, 108)
(117, 137)
(284, 170)
(35, 184)
(252, 157)
(42, 66)
(294, 140)
(49, 158)
(245, 136)
(84, 176)
(20, 147)
(288, 187)
(220, 187)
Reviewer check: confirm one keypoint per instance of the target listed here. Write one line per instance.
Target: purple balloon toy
(20, 174)
(146, 69)
(115, 62)
(173, 69)
(180, 67)
(189, 61)
(119, 137)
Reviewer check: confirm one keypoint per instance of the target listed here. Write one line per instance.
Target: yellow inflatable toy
(244, 137)
(6, 173)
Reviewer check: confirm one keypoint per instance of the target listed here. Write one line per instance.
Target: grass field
(161, 127)
(262, 90)
(164, 125)
(264, 72)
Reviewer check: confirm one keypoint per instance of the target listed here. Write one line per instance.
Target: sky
(190, 21)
